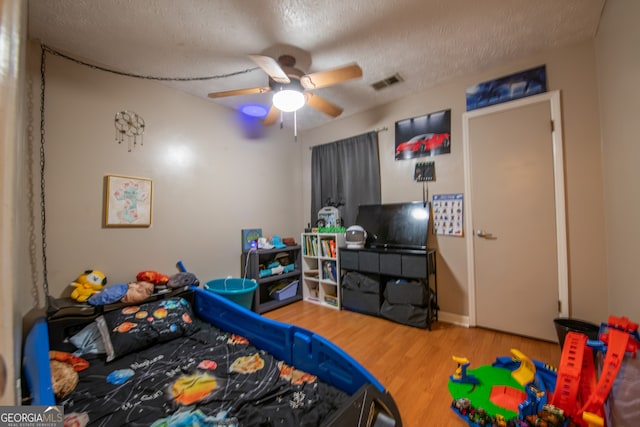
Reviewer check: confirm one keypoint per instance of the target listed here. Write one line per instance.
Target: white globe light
(288, 100)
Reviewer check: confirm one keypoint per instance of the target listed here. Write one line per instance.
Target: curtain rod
(382, 129)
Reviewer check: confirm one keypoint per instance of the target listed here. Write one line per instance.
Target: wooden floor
(413, 364)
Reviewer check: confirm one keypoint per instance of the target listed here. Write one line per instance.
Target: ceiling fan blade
(271, 67)
(330, 77)
(272, 116)
(235, 92)
(321, 104)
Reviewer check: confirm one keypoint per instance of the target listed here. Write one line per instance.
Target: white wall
(618, 70)
(209, 181)
(572, 71)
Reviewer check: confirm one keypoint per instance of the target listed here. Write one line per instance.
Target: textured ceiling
(426, 41)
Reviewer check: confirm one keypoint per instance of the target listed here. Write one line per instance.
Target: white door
(515, 230)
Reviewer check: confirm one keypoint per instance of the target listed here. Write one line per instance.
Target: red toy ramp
(577, 393)
(612, 362)
(576, 375)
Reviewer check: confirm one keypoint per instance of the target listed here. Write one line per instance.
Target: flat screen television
(395, 225)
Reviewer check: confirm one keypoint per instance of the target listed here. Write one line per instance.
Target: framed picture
(127, 201)
(507, 88)
(250, 237)
(427, 135)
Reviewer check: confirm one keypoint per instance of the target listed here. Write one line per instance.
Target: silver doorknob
(484, 234)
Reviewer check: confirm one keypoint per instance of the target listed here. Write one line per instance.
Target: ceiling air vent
(381, 84)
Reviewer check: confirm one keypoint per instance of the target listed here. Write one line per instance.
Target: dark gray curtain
(348, 172)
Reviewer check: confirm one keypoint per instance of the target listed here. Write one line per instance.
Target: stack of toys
(91, 286)
(518, 391)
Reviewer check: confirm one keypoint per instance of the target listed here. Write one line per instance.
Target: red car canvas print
(427, 135)
(419, 145)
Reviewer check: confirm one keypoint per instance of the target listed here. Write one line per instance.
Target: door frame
(553, 98)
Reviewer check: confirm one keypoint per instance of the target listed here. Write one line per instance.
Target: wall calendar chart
(448, 214)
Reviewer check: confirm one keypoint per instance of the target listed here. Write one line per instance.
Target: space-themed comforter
(210, 377)
(195, 358)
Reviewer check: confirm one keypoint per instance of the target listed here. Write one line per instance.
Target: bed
(223, 365)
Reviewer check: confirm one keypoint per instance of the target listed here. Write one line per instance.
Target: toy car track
(575, 371)
(612, 363)
(576, 396)
(576, 391)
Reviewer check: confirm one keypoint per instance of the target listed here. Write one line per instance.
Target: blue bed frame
(370, 403)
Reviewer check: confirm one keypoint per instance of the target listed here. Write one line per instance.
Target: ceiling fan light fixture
(254, 110)
(288, 100)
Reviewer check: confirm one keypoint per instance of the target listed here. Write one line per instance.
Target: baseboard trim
(455, 319)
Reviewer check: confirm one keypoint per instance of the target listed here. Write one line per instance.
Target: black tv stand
(395, 250)
(394, 283)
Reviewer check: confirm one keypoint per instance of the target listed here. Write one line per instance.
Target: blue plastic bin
(287, 292)
(239, 291)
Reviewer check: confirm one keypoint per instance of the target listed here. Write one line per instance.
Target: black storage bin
(406, 314)
(391, 264)
(414, 266)
(404, 292)
(361, 302)
(348, 259)
(564, 325)
(369, 261)
(361, 293)
(360, 282)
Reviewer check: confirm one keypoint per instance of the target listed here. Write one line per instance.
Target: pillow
(135, 327)
(109, 295)
(181, 279)
(88, 340)
(138, 292)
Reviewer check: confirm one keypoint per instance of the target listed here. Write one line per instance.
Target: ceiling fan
(285, 77)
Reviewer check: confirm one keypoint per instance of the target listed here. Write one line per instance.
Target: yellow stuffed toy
(88, 283)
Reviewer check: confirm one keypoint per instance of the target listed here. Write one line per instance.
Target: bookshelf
(321, 268)
(256, 262)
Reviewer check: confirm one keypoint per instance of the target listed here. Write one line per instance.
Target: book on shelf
(332, 247)
(326, 250)
(329, 271)
(331, 300)
(334, 273)
(310, 245)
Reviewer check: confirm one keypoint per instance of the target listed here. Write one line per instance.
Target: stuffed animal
(63, 378)
(64, 372)
(88, 283)
(153, 277)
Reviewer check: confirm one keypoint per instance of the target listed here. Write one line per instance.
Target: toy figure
(461, 376)
(87, 284)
